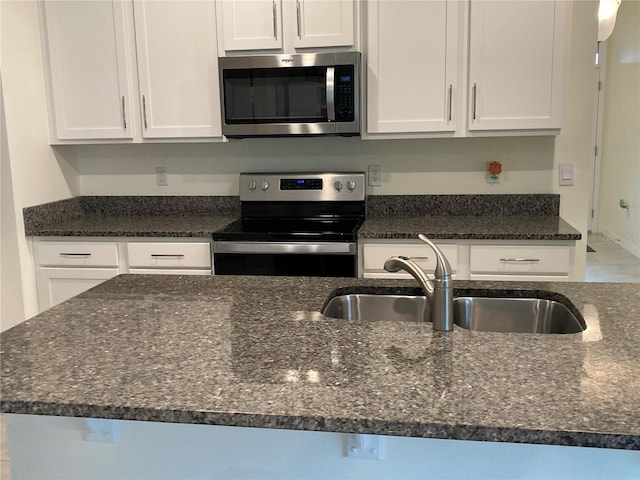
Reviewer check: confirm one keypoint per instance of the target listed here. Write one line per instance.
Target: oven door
(328, 259)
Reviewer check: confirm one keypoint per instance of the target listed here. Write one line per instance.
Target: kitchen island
(257, 352)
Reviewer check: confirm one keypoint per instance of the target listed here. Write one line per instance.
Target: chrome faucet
(439, 292)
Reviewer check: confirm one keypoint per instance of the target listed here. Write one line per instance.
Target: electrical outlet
(370, 447)
(375, 175)
(102, 430)
(161, 177)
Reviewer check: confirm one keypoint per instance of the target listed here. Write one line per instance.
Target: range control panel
(272, 187)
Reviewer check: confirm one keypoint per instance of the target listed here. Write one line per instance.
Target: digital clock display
(300, 184)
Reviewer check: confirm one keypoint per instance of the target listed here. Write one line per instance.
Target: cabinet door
(88, 69)
(324, 23)
(178, 68)
(515, 64)
(55, 285)
(250, 24)
(412, 76)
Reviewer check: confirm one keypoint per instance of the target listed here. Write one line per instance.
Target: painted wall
(156, 451)
(577, 141)
(620, 171)
(11, 301)
(38, 174)
(409, 166)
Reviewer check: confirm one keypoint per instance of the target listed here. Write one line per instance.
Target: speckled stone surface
(470, 227)
(129, 216)
(479, 217)
(255, 351)
(463, 205)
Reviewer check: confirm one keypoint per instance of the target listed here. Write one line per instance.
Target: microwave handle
(331, 94)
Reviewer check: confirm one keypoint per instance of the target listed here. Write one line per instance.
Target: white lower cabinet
(510, 262)
(169, 258)
(375, 254)
(476, 259)
(65, 269)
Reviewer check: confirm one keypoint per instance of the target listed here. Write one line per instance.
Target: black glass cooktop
(290, 229)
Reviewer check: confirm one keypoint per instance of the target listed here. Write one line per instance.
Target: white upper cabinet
(251, 24)
(177, 68)
(443, 68)
(90, 76)
(324, 23)
(283, 26)
(413, 72)
(97, 90)
(516, 64)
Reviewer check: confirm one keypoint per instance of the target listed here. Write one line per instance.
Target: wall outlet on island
(161, 176)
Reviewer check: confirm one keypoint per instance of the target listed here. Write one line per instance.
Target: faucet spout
(439, 292)
(395, 264)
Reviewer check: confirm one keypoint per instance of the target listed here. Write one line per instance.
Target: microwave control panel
(344, 81)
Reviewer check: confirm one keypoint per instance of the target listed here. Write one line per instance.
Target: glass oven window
(275, 95)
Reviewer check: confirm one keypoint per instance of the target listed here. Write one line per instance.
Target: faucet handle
(443, 268)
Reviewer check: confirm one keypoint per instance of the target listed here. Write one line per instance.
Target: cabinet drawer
(169, 255)
(375, 255)
(77, 254)
(515, 259)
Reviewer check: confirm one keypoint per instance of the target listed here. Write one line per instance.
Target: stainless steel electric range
(302, 224)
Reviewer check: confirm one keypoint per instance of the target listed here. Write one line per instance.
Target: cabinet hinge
(592, 213)
(595, 150)
(599, 85)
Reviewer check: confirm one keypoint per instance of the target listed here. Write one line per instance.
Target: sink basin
(487, 314)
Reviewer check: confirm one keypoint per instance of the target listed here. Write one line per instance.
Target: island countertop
(255, 351)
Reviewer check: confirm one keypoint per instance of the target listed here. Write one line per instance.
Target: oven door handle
(336, 248)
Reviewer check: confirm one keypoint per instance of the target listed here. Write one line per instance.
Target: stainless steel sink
(488, 314)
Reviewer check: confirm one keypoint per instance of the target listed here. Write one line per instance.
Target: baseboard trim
(626, 244)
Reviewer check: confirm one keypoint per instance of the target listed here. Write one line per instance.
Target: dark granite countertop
(135, 226)
(132, 216)
(255, 351)
(470, 227)
(500, 217)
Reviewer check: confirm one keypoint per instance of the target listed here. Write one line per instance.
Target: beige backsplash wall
(433, 166)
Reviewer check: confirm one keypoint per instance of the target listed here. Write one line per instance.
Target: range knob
(252, 185)
(265, 185)
(338, 185)
(351, 185)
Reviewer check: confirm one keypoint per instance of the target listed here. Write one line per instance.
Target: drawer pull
(535, 260)
(167, 255)
(65, 254)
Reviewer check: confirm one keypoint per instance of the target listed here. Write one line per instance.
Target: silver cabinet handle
(124, 115)
(473, 106)
(298, 18)
(331, 97)
(535, 260)
(66, 254)
(450, 103)
(275, 21)
(167, 255)
(144, 111)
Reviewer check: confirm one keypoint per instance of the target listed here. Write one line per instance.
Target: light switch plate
(566, 174)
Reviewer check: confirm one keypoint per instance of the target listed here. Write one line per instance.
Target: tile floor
(609, 263)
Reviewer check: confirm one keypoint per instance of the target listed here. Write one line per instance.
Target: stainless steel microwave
(282, 95)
